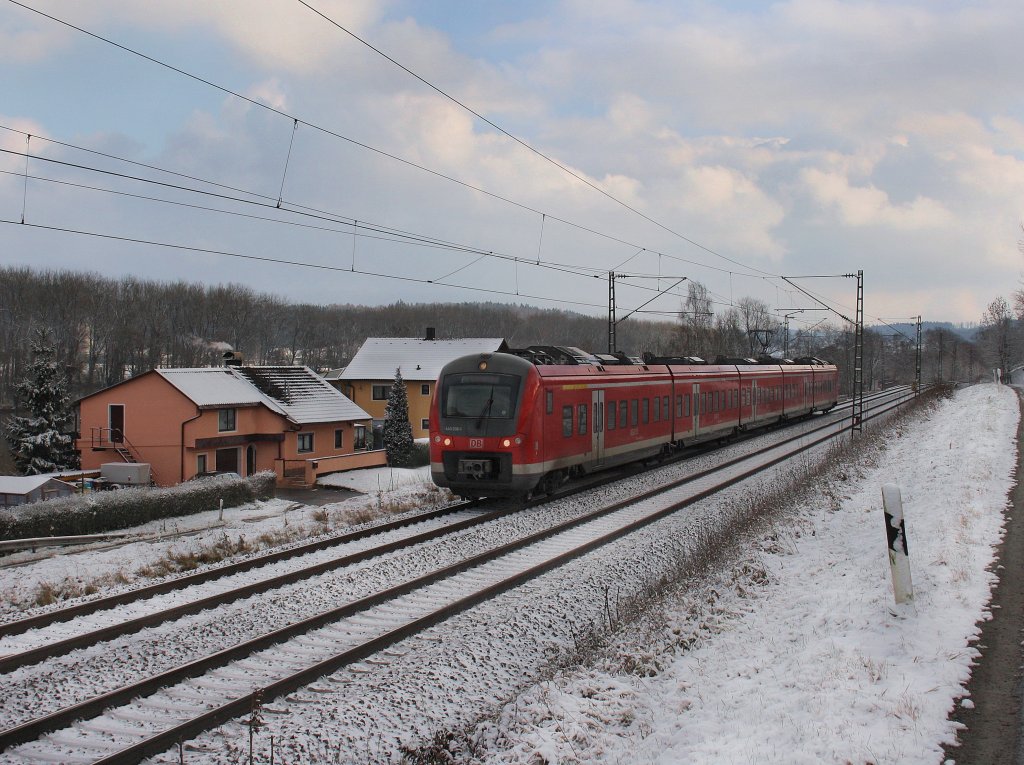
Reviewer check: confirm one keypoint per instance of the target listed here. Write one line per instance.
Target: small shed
(22, 489)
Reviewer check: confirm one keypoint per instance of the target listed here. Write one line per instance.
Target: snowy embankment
(107, 568)
(795, 654)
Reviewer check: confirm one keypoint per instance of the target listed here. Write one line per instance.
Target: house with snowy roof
(22, 489)
(241, 419)
(368, 378)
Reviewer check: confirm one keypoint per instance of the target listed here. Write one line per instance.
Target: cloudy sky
(729, 143)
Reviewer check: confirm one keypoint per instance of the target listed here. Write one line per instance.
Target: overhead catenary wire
(528, 147)
(292, 207)
(392, 234)
(285, 261)
(379, 232)
(297, 120)
(327, 131)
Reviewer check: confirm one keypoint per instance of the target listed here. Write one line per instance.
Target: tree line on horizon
(106, 330)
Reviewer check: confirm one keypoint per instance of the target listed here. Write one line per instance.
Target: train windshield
(480, 396)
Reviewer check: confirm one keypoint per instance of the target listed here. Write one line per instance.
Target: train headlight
(519, 441)
(507, 443)
(447, 442)
(437, 438)
(482, 366)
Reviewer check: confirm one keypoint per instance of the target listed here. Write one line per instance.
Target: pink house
(186, 422)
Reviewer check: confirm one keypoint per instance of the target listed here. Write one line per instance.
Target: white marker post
(896, 535)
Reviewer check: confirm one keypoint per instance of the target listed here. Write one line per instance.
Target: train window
(480, 396)
(679, 405)
(686, 405)
(611, 415)
(566, 421)
(623, 414)
(657, 408)
(581, 419)
(549, 401)
(645, 410)
(665, 406)
(633, 409)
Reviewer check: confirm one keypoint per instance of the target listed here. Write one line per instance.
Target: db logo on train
(476, 443)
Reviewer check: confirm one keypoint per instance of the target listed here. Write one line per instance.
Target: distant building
(22, 489)
(187, 422)
(368, 377)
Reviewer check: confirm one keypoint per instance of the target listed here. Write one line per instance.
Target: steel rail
(68, 613)
(62, 718)
(243, 704)
(50, 649)
(55, 648)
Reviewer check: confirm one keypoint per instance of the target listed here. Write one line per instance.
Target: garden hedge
(103, 511)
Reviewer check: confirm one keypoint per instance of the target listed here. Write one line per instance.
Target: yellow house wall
(361, 393)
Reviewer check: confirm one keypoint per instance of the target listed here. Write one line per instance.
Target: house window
(200, 463)
(359, 437)
(425, 389)
(225, 419)
(305, 443)
(425, 423)
(380, 392)
(339, 438)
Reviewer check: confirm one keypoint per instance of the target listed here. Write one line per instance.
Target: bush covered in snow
(111, 510)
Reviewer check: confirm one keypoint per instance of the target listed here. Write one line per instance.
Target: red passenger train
(511, 424)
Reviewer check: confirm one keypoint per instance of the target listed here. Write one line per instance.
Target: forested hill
(106, 330)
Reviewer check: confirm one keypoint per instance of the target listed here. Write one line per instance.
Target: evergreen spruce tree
(43, 441)
(398, 441)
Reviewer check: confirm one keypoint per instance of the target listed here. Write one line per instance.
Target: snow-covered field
(22, 574)
(797, 654)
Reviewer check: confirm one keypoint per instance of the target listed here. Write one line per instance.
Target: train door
(597, 431)
(696, 408)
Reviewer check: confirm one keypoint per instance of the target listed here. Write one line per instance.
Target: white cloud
(869, 205)
(270, 93)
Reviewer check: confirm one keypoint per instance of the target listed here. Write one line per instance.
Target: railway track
(199, 694)
(383, 538)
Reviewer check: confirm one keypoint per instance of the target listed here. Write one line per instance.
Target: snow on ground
(101, 565)
(798, 654)
(380, 479)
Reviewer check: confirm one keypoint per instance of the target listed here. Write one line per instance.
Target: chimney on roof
(233, 358)
(430, 334)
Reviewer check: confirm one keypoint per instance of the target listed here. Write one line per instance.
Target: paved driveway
(316, 497)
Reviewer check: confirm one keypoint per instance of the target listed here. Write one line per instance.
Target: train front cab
(479, 426)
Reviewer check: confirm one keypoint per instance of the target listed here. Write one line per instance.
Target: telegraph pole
(611, 312)
(858, 359)
(917, 373)
(613, 322)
